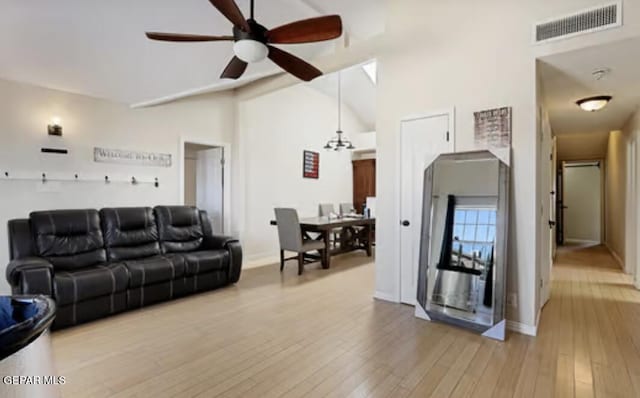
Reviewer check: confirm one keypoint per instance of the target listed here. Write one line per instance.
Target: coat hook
(106, 179)
(44, 178)
(6, 174)
(157, 184)
(134, 181)
(76, 176)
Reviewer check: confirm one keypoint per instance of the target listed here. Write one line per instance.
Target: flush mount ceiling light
(594, 104)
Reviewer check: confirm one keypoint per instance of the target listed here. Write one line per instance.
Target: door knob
(405, 223)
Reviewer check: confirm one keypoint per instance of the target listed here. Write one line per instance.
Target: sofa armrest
(232, 245)
(217, 242)
(30, 275)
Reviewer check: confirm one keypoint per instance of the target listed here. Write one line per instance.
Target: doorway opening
(582, 203)
(596, 170)
(204, 181)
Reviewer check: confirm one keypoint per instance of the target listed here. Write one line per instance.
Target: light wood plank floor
(322, 334)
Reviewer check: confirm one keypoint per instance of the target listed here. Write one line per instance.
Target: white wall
(583, 198)
(615, 198)
(274, 129)
(24, 114)
(622, 236)
(474, 56)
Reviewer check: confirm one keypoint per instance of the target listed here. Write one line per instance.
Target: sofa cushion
(69, 239)
(79, 285)
(154, 270)
(129, 233)
(179, 228)
(206, 261)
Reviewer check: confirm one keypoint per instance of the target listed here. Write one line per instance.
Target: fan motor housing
(258, 32)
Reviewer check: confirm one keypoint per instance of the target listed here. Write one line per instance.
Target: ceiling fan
(253, 42)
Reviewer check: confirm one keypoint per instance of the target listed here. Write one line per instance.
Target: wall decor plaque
(137, 158)
(311, 165)
(492, 128)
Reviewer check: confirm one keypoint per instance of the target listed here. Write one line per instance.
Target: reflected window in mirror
(473, 240)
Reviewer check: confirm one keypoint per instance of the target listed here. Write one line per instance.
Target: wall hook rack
(44, 178)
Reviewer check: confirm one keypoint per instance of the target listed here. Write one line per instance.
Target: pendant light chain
(339, 101)
(339, 142)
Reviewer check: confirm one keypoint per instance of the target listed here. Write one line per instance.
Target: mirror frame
(497, 330)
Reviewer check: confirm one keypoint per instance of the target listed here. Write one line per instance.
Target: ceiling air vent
(587, 21)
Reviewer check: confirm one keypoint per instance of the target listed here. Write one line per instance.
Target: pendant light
(339, 142)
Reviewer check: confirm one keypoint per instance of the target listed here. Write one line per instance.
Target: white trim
(385, 297)
(615, 257)
(210, 88)
(617, 24)
(583, 241)
(522, 328)
(451, 113)
(226, 227)
(261, 262)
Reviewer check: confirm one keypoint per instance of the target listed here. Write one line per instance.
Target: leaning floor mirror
(463, 250)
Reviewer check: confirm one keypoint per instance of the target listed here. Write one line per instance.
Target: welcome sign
(137, 158)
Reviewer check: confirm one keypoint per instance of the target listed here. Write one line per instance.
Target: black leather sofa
(97, 263)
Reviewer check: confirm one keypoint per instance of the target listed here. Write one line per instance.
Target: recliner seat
(95, 264)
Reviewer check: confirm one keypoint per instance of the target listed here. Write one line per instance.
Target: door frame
(186, 139)
(451, 114)
(631, 213)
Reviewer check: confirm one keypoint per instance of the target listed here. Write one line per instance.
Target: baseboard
(260, 262)
(616, 257)
(522, 328)
(384, 297)
(584, 241)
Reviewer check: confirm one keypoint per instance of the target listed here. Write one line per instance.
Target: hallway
(589, 328)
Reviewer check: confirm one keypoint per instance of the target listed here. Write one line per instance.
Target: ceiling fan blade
(294, 65)
(180, 37)
(230, 9)
(235, 69)
(307, 31)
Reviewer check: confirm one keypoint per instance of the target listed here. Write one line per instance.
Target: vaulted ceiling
(98, 48)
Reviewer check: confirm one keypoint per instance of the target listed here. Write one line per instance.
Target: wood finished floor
(322, 334)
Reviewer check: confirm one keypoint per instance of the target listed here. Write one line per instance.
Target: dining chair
(347, 208)
(291, 239)
(326, 209)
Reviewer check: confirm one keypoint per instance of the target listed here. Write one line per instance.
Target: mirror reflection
(463, 252)
(465, 263)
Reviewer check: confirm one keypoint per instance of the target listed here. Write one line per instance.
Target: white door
(583, 201)
(210, 186)
(422, 140)
(547, 205)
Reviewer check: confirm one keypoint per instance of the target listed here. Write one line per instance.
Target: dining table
(356, 234)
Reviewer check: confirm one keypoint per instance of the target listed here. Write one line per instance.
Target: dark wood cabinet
(364, 181)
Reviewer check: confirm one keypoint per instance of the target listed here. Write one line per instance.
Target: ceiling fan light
(594, 104)
(250, 50)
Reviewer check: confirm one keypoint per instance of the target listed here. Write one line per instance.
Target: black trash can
(26, 363)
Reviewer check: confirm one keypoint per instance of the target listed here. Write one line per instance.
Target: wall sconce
(55, 128)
